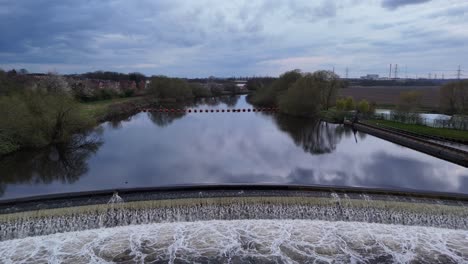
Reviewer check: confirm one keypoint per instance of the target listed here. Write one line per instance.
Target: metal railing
(417, 119)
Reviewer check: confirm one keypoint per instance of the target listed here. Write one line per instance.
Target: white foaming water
(245, 241)
(115, 199)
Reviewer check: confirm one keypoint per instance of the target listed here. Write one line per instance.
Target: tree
(409, 101)
(163, 87)
(454, 97)
(54, 83)
(269, 95)
(216, 90)
(23, 71)
(231, 88)
(341, 104)
(363, 106)
(286, 80)
(38, 118)
(349, 103)
(302, 98)
(200, 91)
(329, 83)
(372, 107)
(136, 77)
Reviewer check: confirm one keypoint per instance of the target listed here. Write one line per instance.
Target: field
(389, 95)
(423, 130)
(98, 108)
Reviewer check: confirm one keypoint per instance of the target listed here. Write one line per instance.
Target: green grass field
(423, 130)
(98, 108)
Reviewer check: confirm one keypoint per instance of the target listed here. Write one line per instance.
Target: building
(370, 77)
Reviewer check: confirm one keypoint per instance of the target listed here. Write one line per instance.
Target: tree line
(297, 93)
(454, 97)
(178, 89)
(111, 76)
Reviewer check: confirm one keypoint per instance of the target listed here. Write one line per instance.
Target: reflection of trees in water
(211, 101)
(164, 119)
(207, 101)
(229, 101)
(312, 135)
(64, 163)
(116, 122)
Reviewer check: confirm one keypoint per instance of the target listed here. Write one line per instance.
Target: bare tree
(454, 97)
(329, 83)
(409, 101)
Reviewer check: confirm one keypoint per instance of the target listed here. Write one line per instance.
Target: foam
(240, 241)
(50, 221)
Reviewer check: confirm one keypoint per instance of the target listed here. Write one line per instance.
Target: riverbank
(99, 108)
(102, 111)
(95, 112)
(423, 130)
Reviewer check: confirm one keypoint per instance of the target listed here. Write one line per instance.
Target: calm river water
(161, 149)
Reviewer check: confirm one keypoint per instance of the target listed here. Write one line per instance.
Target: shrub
(163, 87)
(231, 88)
(200, 91)
(216, 90)
(39, 118)
(341, 104)
(363, 106)
(349, 103)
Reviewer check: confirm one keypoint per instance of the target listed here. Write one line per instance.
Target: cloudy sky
(235, 38)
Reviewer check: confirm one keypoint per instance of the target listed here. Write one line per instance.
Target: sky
(185, 38)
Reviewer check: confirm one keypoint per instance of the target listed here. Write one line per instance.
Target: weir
(189, 204)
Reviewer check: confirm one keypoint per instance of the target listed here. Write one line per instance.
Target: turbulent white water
(245, 241)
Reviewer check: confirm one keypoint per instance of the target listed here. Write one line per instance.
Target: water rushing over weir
(234, 205)
(245, 241)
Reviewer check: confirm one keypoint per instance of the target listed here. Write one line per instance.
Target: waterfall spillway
(245, 241)
(370, 218)
(331, 207)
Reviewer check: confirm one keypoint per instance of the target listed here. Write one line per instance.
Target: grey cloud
(388, 25)
(394, 4)
(450, 12)
(211, 38)
(325, 9)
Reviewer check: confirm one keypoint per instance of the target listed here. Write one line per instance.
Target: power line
(458, 72)
(396, 71)
(346, 72)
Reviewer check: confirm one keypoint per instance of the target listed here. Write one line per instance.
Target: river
(163, 149)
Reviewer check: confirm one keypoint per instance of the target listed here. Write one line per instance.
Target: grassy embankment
(423, 130)
(100, 109)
